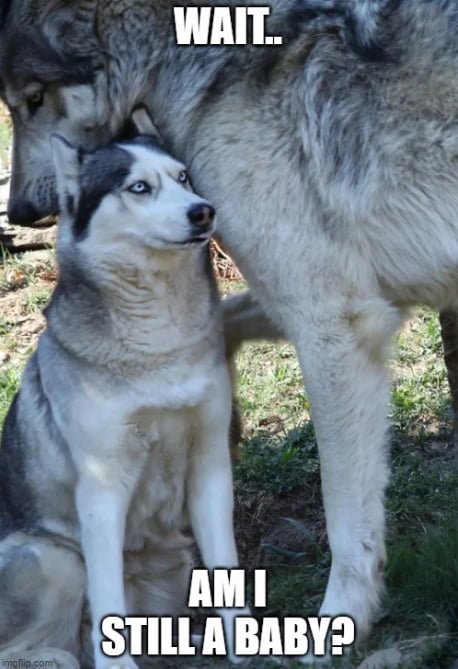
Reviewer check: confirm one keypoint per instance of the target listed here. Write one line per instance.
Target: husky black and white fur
(333, 162)
(120, 427)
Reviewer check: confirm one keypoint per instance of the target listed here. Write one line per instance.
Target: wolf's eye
(183, 177)
(35, 100)
(140, 188)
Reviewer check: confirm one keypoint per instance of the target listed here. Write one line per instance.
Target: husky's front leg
(103, 495)
(342, 355)
(210, 495)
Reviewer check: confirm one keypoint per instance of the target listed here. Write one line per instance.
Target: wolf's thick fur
(333, 161)
(120, 428)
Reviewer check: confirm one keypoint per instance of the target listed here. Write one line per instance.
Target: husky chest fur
(120, 429)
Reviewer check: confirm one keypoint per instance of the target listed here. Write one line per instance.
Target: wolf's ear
(141, 123)
(4, 9)
(67, 161)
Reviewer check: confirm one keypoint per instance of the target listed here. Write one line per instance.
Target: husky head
(128, 194)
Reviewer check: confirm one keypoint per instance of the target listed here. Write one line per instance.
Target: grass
(27, 269)
(279, 516)
(25, 287)
(5, 138)
(9, 385)
(279, 465)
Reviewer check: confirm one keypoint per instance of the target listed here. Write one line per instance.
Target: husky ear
(142, 124)
(67, 161)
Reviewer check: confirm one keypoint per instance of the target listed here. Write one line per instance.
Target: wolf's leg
(342, 354)
(42, 586)
(244, 320)
(210, 496)
(103, 495)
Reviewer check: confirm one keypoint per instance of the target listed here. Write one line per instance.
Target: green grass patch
(5, 141)
(36, 300)
(20, 271)
(279, 465)
(9, 385)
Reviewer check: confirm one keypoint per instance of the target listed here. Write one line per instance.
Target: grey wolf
(333, 162)
(120, 428)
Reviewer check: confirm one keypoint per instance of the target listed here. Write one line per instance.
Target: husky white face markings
(151, 207)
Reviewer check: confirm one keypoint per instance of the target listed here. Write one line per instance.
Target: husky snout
(202, 216)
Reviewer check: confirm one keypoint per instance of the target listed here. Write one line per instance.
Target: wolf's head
(128, 195)
(50, 71)
(78, 67)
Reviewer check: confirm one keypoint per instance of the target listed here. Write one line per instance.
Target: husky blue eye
(139, 188)
(183, 177)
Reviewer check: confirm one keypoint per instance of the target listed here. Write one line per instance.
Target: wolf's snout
(22, 212)
(201, 214)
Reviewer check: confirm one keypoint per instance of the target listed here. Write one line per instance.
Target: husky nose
(201, 214)
(22, 212)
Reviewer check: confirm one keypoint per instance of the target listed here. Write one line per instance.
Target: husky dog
(120, 427)
(333, 161)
